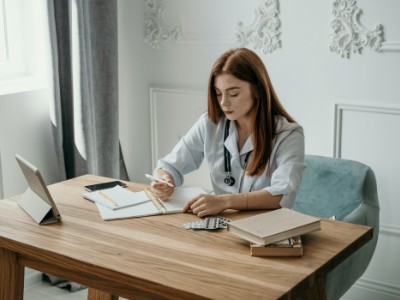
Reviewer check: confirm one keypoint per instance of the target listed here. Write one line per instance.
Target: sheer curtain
(84, 44)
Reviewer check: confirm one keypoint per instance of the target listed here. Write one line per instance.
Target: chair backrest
(347, 190)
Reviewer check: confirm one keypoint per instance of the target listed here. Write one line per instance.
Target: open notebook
(153, 206)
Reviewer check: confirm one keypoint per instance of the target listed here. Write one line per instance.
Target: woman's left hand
(205, 205)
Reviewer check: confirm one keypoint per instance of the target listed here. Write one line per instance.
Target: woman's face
(235, 97)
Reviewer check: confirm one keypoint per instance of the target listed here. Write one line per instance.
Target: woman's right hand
(162, 190)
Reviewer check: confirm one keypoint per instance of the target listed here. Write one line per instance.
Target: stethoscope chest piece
(229, 180)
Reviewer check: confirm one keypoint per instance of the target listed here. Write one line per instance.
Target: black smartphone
(103, 185)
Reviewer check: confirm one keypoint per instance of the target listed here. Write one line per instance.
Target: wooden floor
(44, 290)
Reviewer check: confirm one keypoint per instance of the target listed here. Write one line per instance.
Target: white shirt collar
(231, 142)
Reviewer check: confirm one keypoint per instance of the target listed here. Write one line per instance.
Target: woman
(253, 147)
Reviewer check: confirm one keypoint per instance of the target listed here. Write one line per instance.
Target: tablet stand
(37, 208)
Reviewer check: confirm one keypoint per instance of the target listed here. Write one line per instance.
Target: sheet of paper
(116, 198)
(140, 210)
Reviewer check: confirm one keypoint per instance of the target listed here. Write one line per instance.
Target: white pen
(154, 178)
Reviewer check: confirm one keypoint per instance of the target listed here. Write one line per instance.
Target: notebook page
(180, 197)
(141, 210)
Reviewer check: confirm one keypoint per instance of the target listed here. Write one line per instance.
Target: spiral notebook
(153, 206)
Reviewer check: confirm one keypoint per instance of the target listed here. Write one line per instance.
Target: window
(23, 32)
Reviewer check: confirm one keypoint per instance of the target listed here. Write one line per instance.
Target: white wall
(25, 128)
(310, 81)
(25, 93)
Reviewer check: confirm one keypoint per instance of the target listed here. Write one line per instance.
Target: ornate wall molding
(158, 30)
(264, 32)
(350, 36)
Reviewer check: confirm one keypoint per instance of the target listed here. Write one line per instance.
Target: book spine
(157, 203)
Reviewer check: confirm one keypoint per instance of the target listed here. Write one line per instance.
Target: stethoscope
(229, 180)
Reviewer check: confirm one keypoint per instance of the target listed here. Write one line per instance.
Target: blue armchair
(347, 190)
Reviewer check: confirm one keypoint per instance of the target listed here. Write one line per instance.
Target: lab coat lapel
(232, 140)
(247, 147)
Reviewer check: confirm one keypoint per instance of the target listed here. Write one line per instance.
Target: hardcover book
(288, 247)
(274, 226)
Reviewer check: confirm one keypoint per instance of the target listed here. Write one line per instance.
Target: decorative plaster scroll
(157, 29)
(350, 36)
(264, 31)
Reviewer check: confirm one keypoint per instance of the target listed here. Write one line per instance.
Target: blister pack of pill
(209, 223)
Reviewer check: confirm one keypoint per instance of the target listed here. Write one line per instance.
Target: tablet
(37, 201)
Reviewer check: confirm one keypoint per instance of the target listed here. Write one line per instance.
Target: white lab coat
(206, 140)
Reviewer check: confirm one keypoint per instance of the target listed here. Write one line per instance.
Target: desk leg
(11, 276)
(94, 294)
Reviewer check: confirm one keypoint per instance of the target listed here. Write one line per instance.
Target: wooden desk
(155, 258)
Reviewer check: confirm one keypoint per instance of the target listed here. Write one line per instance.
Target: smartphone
(103, 185)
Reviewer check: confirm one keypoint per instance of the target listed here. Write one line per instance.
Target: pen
(108, 198)
(158, 179)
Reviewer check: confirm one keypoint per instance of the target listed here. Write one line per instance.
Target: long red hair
(246, 65)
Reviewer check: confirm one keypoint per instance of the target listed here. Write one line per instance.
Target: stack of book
(275, 233)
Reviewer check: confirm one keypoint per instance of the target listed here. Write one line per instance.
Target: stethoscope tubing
(229, 180)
